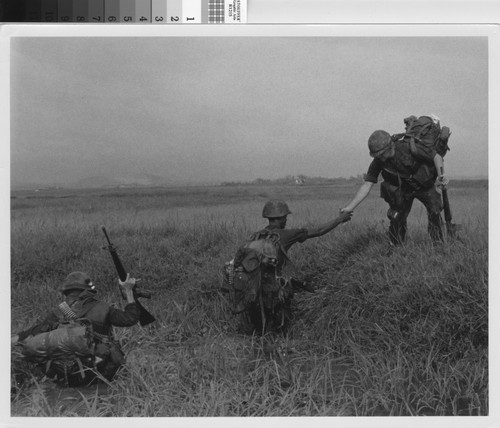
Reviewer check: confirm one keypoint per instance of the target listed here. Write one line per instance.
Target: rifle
(451, 228)
(145, 317)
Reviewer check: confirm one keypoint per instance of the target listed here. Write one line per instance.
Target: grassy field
(401, 333)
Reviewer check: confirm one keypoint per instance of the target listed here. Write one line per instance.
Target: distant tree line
(303, 180)
(297, 180)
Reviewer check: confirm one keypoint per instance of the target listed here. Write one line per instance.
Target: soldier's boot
(435, 228)
(397, 232)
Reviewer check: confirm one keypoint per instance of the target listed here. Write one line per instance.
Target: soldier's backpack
(426, 137)
(254, 276)
(65, 352)
(417, 147)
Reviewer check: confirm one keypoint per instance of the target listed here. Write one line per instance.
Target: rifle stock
(145, 317)
(451, 228)
(446, 204)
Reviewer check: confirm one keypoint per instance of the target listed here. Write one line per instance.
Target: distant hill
(144, 180)
(95, 182)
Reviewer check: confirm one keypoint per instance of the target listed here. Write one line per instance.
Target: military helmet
(275, 208)
(435, 119)
(77, 281)
(378, 142)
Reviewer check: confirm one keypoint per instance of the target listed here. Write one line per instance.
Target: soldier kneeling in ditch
(261, 279)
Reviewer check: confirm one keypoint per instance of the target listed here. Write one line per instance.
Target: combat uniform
(263, 279)
(102, 317)
(399, 189)
(288, 237)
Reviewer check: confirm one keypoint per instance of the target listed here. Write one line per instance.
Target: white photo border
(491, 31)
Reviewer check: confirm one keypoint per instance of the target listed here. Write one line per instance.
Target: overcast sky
(197, 109)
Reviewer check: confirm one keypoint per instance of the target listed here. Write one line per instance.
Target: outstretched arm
(327, 227)
(360, 196)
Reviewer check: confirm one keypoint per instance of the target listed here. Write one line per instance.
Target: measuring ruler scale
(132, 11)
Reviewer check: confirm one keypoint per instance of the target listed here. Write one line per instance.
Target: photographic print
(251, 221)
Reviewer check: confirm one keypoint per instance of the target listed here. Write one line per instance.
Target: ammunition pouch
(393, 195)
(423, 178)
(107, 348)
(112, 359)
(243, 289)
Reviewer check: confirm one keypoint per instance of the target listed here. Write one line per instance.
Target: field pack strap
(424, 128)
(70, 315)
(271, 235)
(278, 241)
(409, 180)
(413, 147)
(265, 234)
(80, 367)
(398, 175)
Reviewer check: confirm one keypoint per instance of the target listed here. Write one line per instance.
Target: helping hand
(345, 215)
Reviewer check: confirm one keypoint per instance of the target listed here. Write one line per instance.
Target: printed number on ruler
(159, 11)
(174, 11)
(96, 11)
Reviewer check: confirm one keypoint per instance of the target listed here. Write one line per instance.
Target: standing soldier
(80, 304)
(406, 176)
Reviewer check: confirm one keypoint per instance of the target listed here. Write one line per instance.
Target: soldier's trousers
(398, 214)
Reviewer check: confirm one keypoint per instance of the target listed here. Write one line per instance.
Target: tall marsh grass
(386, 333)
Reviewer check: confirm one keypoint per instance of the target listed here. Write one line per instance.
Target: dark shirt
(374, 170)
(102, 316)
(288, 237)
(400, 167)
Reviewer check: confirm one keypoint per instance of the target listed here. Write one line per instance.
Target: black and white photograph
(254, 221)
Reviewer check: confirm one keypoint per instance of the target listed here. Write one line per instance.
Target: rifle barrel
(106, 235)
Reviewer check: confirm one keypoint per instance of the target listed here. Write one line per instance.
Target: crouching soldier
(75, 343)
(261, 278)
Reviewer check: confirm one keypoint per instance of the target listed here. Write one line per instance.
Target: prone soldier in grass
(74, 343)
(261, 278)
(412, 166)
